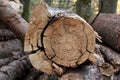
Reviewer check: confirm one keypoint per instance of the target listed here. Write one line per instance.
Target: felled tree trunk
(110, 56)
(15, 69)
(6, 34)
(10, 47)
(13, 20)
(107, 25)
(109, 6)
(12, 66)
(58, 37)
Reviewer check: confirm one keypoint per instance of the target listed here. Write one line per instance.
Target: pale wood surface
(68, 40)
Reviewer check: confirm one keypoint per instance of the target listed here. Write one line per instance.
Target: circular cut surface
(66, 42)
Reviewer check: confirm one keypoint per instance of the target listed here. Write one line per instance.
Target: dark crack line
(86, 38)
(53, 51)
(79, 57)
(42, 48)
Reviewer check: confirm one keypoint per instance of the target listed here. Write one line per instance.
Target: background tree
(109, 6)
(67, 3)
(61, 5)
(48, 2)
(83, 8)
(26, 9)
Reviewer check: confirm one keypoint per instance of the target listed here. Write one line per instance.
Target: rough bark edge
(14, 70)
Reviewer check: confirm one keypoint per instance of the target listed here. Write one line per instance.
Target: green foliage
(84, 8)
(35, 1)
(85, 2)
(26, 9)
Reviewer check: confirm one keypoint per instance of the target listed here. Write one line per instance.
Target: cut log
(107, 26)
(14, 70)
(6, 34)
(87, 71)
(111, 56)
(12, 19)
(8, 48)
(60, 37)
(5, 61)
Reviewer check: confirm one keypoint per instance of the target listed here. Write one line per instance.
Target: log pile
(56, 34)
(58, 42)
(13, 63)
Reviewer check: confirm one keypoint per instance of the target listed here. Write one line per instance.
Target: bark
(87, 71)
(13, 20)
(110, 64)
(58, 27)
(109, 6)
(107, 26)
(9, 48)
(111, 56)
(6, 34)
(5, 61)
(14, 70)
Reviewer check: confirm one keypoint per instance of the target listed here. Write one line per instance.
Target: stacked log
(107, 26)
(58, 41)
(12, 19)
(59, 37)
(14, 64)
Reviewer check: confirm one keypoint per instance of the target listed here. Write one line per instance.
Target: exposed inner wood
(40, 17)
(67, 42)
(40, 62)
(62, 37)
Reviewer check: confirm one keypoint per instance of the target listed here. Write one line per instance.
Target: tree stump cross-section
(58, 38)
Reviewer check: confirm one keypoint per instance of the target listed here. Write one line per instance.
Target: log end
(67, 40)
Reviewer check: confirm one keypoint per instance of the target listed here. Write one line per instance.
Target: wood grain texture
(62, 36)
